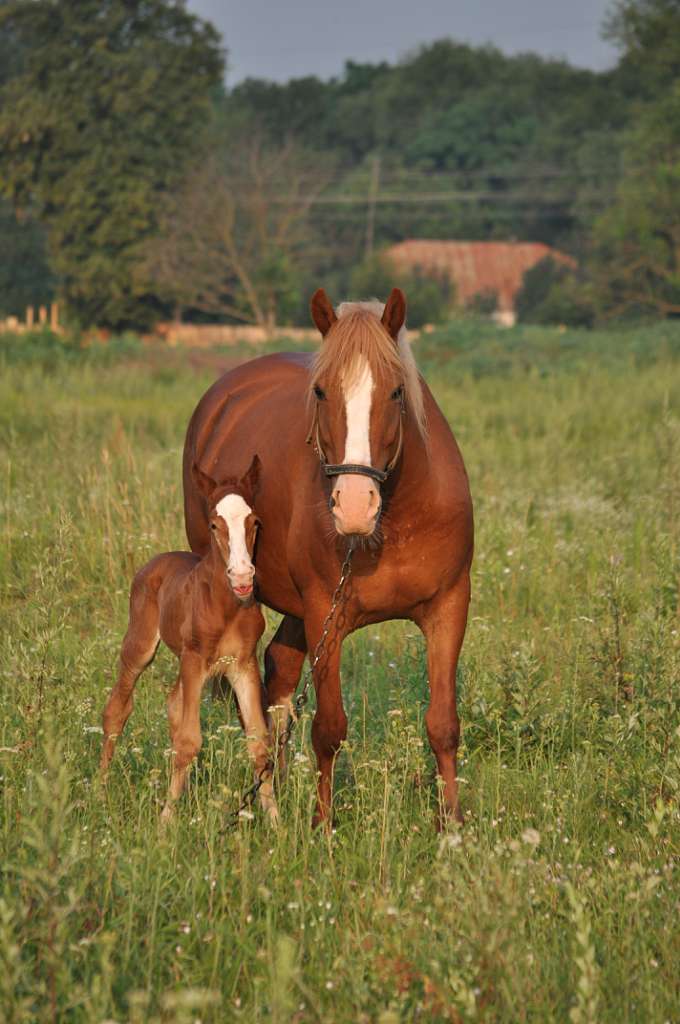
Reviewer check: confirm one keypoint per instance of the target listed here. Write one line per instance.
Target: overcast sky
(281, 39)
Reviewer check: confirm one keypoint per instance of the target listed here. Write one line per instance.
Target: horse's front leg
(443, 622)
(329, 727)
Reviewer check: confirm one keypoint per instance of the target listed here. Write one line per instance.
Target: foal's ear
(251, 480)
(395, 313)
(323, 313)
(205, 483)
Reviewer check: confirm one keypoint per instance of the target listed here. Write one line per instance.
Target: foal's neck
(214, 572)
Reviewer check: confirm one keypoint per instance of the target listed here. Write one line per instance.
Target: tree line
(137, 188)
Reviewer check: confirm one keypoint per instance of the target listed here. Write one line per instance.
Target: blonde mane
(358, 335)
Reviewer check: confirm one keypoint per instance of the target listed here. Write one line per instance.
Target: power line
(414, 198)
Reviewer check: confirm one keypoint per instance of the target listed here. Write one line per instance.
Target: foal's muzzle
(242, 584)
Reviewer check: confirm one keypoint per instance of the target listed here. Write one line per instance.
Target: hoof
(270, 808)
(449, 819)
(273, 816)
(167, 815)
(321, 820)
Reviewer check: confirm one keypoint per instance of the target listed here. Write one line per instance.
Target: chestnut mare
(382, 471)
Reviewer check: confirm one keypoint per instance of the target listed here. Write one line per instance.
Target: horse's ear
(323, 313)
(251, 480)
(395, 313)
(205, 483)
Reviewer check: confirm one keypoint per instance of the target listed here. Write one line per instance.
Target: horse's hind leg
(443, 624)
(138, 650)
(283, 662)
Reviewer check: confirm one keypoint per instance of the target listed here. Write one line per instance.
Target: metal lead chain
(300, 701)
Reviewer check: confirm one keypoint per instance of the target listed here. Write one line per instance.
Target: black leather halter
(353, 467)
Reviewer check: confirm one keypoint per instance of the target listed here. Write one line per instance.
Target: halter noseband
(353, 467)
(379, 475)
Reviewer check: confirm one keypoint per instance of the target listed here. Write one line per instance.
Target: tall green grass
(558, 900)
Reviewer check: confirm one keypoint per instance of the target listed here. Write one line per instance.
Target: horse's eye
(319, 393)
(397, 393)
(213, 526)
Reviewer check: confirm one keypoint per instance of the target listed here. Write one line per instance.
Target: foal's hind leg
(185, 725)
(138, 650)
(283, 662)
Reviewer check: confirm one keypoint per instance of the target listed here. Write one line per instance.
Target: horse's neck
(415, 454)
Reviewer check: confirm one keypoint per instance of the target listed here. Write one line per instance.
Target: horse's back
(240, 415)
(263, 375)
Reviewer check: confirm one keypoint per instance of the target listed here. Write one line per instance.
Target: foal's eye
(213, 526)
(397, 393)
(319, 393)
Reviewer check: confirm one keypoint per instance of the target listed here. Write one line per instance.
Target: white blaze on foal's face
(234, 510)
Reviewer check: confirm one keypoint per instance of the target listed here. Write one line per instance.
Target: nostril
(331, 503)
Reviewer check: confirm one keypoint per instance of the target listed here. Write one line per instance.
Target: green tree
(25, 276)
(552, 293)
(636, 241)
(537, 283)
(231, 237)
(97, 120)
(648, 35)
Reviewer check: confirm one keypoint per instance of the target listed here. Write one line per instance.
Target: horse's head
(360, 383)
(233, 524)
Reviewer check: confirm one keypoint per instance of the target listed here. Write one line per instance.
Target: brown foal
(204, 610)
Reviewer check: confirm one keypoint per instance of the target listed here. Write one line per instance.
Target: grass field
(560, 898)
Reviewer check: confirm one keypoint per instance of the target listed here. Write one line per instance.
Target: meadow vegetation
(560, 897)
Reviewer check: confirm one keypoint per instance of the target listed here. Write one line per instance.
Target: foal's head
(233, 524)
(363, 382)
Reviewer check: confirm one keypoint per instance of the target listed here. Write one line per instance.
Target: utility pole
(372, 198)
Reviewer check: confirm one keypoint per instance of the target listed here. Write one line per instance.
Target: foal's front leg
(185, 726)
(245, 679)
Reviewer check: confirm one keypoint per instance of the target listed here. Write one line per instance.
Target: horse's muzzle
(355, 505)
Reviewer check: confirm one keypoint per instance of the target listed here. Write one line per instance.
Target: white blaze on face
(358, 394)
(234, 510)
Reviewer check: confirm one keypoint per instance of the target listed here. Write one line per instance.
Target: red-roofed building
(477, 268)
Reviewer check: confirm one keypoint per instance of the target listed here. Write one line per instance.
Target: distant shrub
(428, 298)
(484, 303)
(554, 294)
(49, 349)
